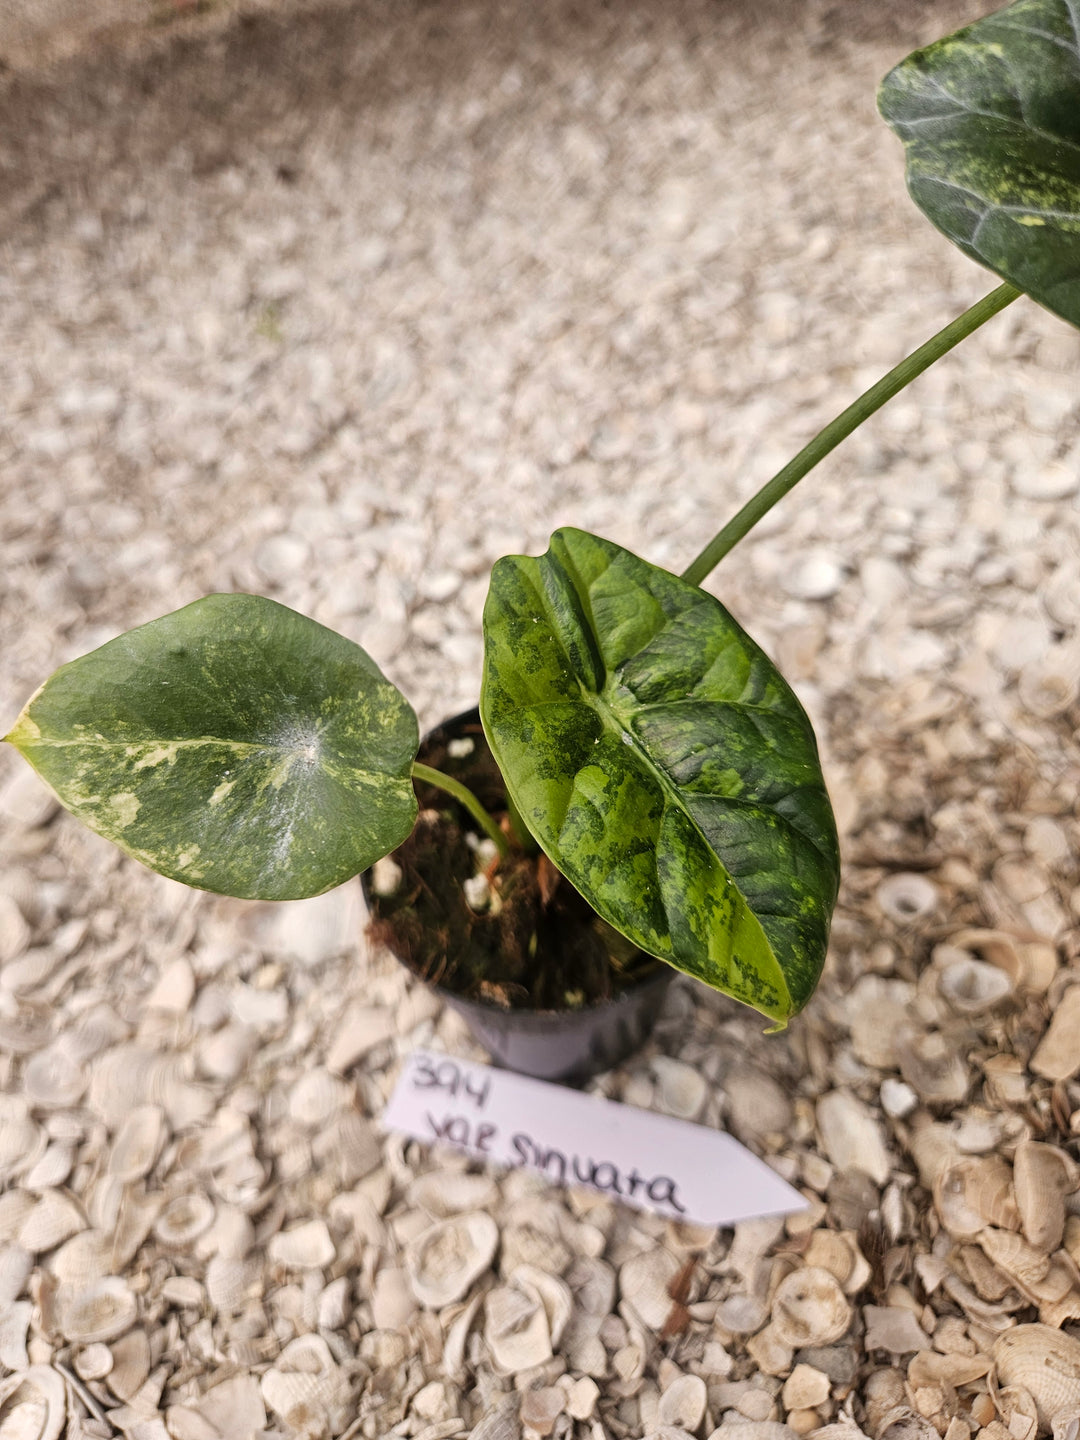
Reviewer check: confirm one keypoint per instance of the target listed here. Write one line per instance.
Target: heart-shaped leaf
(234, 745)
(990, 120)
(664, 765)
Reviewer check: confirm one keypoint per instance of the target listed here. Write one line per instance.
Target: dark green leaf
(234, 745)
(990, 120)
(664, 765)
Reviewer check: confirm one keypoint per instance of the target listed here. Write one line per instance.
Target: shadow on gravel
(271, 83)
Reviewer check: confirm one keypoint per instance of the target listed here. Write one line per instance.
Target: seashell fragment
(362, 1029)
(903, 1423)
(230, 1283)
(907, 897)
(805, 1388)
(307, 1400)
(14, 931)
(516, 1329)
(500, 1420)
(973, 1193)
(1042, 1177)
(224, 1054)
(444, 1261)
(184, 1219)
(85, 1257)
(1048, 685)
(681, 1090)
(93, 1362)
(14, 1324)
(1046, 1363)
(972, 986)
(1058, 1053)
(644, 1282)
(20, 1137)
(52, 1169)
(304, 1247)
(33, 1405)
(1018, 1411)
(757, 1105)
(130, 1364)
(877, 1011)
(683, 1403)
(932, 1067)
(52, 1079)
(54, 1219)
(443, 1193)
(553, 1294)
(15, 1206)
(1012, 1253)
(852, 1137)
(15, 1267)
(893, 1328)
(138, 1143)
(102, 1310)
(317, 1097)
(175, 989)
(809, 1308)
(742, 1314)
(931, 1368)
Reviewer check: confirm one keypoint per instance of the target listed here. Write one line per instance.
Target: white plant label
(673, 1167)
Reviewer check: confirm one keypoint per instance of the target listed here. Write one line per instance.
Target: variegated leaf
(990, 120)
(234, 745)
(664, 765)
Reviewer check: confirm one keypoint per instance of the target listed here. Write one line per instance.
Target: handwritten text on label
(680, 1170)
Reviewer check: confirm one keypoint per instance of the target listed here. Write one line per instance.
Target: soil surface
(532, 943)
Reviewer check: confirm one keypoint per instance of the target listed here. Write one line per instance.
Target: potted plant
(647, 751)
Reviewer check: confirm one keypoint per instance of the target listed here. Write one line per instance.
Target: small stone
(281, 557)
(805, 1388)
(852, 1137)
(756, 1404)
(893, 1328)
(1051, 480)
(1058, 1054)
(184, 1290)
(429, 1402)
(333, 1307)
(386, 876)
(681, 1090)
(541, 1408)
(27, 801)
(742, 1314)
(803, 1421)
(363, 1028)
(817, 577)
(581, 1398)
(174, 990)
(771, 1351)
(477, 891)
(683, 1403)
(392, 1302)
(898, 1099)
(305, 1247)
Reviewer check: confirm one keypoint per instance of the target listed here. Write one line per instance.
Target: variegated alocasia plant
(647, 744)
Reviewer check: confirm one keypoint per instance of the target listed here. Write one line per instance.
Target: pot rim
(630, 995)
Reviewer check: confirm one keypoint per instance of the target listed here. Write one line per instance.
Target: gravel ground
(339, 308)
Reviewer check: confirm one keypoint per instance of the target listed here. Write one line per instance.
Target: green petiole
(464, 796)
(840, 428)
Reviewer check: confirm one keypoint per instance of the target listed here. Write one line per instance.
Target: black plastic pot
(566, 1045)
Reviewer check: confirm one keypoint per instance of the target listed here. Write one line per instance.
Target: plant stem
(840, 428)
(465, 797)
